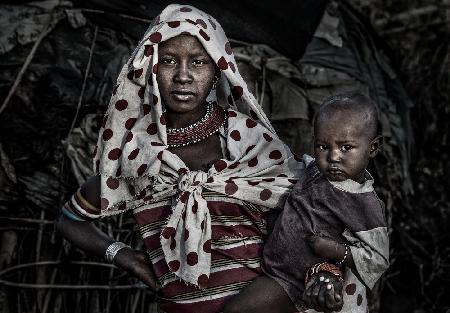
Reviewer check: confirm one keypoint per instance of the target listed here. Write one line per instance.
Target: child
(332, 213)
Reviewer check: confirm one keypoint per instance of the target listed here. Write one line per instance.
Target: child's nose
(334, 155)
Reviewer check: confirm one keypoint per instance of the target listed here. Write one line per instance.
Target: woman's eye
(346, 148)
(199, 62)
(168, 61)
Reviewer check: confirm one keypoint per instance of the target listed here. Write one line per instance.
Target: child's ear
(376, 145)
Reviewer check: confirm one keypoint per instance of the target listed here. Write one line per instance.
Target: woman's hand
(137, 263)
(323, 292)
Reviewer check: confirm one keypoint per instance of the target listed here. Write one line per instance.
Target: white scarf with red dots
(136, 168)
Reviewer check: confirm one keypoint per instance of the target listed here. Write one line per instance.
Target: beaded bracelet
(112, 250)
(341, 262)
(323, 267)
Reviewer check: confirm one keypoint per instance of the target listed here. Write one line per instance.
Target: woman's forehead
(182, 43)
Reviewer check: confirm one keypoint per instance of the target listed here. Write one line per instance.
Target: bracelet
(323, 267)
(112, 250)
(341, 262)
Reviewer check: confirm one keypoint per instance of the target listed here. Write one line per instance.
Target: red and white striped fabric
(237, 228)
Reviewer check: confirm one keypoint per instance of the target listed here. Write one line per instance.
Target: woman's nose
(183, 74)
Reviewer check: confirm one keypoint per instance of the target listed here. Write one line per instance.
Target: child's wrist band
(341, 262)
(323, 267)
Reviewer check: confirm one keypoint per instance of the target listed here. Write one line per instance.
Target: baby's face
(342, 146)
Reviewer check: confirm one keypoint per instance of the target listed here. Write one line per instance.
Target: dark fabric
(315, 207)
(287, 26)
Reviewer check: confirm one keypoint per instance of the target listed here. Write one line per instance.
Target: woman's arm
(262, 295)
(89, 238)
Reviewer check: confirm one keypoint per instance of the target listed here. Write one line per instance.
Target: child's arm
(369, 259)
(331, 250)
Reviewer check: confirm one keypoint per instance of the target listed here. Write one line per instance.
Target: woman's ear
(376, 145)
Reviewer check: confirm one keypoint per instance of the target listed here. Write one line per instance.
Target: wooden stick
(40, 273)
(62, 286)
(405, 16)
(86, 73)
(130, 17)
(52, 281)
(27, 220)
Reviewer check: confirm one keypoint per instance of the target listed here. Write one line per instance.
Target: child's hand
(323, 292)
(329, 249)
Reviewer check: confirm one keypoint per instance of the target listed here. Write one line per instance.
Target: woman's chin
(178, 105)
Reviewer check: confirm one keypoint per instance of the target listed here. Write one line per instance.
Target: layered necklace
(209, 124)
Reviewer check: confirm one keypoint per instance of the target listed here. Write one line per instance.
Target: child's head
(346, 136)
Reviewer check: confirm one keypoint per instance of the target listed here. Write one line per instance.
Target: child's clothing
(345, 211)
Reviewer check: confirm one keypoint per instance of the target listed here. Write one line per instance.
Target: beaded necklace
(209, 124)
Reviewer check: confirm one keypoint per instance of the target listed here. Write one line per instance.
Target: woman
(178, 147)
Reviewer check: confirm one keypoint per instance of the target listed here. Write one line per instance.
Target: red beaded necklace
(209, 124)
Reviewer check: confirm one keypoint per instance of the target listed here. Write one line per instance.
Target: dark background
(54, 98)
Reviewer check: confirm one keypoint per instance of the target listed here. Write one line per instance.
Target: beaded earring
(215, 80)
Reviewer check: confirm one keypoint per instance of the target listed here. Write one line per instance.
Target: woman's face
(185, 74)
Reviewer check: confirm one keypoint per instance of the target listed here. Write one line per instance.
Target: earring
(215, 80)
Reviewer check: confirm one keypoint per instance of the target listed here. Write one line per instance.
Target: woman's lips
(182, 95)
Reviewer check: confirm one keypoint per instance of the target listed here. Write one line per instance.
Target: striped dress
(238, 228)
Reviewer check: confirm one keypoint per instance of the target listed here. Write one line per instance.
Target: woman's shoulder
(90, 190)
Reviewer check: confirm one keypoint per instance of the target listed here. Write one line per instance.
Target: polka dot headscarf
(136, 168)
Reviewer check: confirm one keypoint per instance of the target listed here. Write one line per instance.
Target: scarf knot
(191, 181)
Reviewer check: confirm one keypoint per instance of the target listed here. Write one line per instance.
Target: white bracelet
(347, 248)
(112, 250)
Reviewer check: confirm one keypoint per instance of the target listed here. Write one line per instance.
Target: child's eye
(346, 148)
(321, 147)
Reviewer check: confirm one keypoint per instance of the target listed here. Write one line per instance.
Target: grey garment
(370, 251)
(346, 212)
